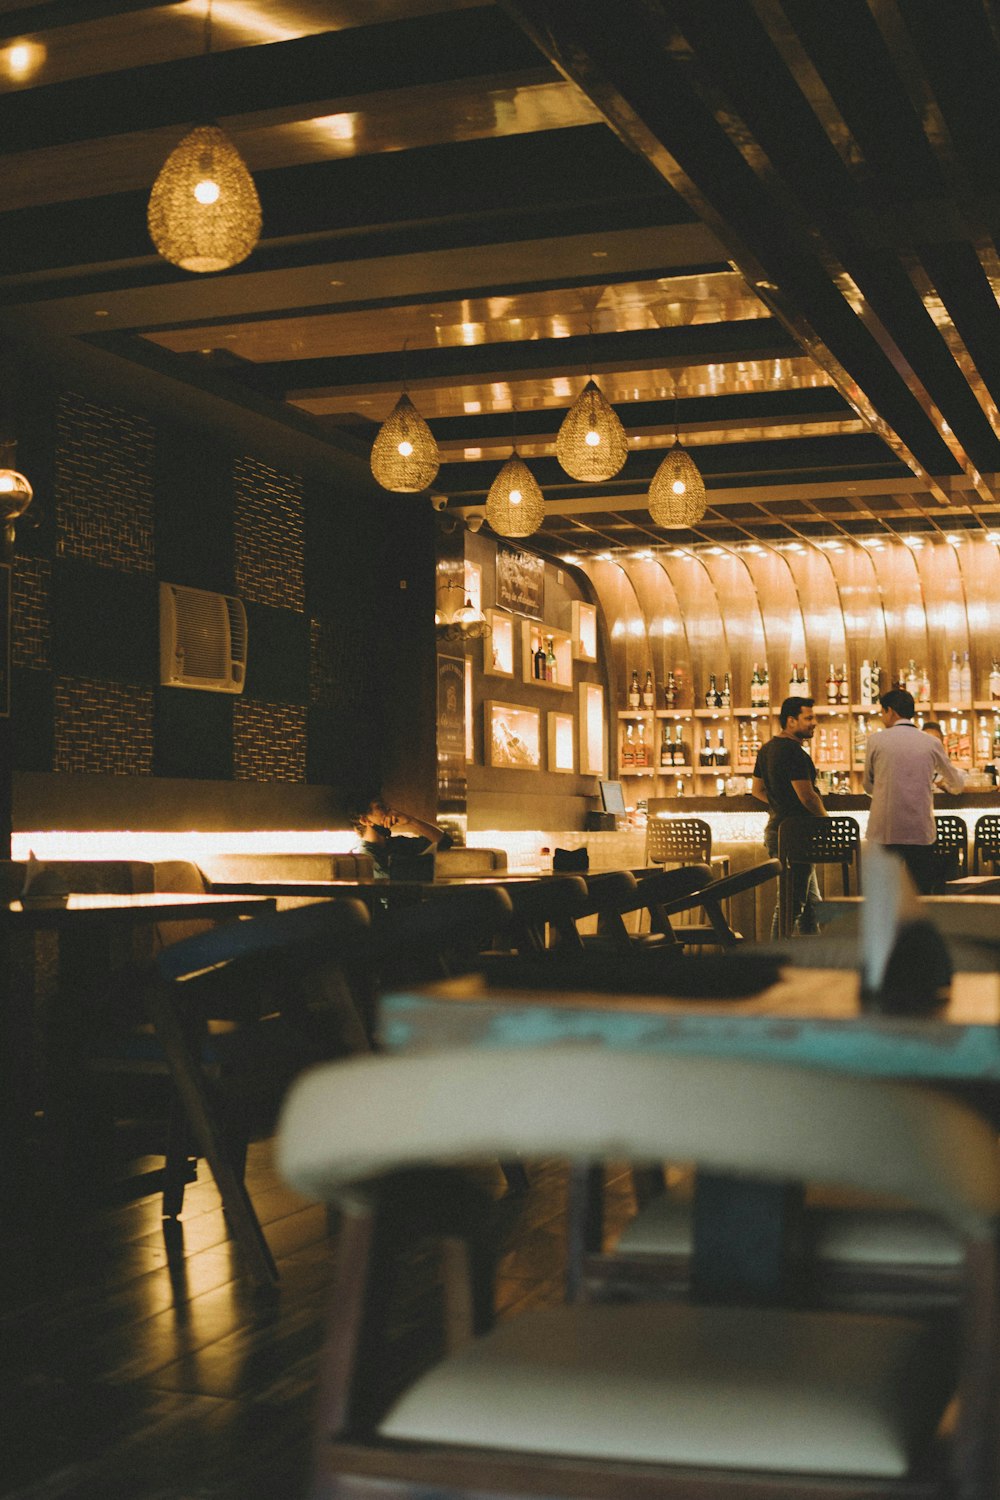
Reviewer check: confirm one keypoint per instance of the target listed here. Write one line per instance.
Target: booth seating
(468, 861)
(233, 868)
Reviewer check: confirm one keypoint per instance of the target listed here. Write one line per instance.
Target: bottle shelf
(675, 713)
(831, 710)
(713, 713)
(635, 713)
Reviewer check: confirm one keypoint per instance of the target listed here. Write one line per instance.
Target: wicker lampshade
(677, 493)
(514, 505)
(591, 443)
(204, 213)
(404, 454)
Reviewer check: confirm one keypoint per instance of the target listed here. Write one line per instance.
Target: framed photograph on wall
(520, 582)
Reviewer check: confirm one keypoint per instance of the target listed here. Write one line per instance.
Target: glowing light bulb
(592, 439)
(6, 483)
(405, 448)
(679, 487)
(207, 191)
(514, 497)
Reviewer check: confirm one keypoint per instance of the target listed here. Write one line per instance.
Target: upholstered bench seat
(744, 1387)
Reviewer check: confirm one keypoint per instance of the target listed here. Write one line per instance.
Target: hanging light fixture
(514, 505)
(16, 495)
(204, 212)
(591, 442)
(677, 493)
(405, 454)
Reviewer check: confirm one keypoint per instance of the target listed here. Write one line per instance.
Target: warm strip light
(188, 844)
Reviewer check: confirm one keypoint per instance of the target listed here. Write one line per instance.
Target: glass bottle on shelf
(680, 749)
(924, 694)
(793, 680)
(865, 685)
(844, 686)
(995, 681)
(756, 687)
(721, 748)
(964, 740)
(860, 739)
(836, 756)
(951, 738)
(954, 679)
(628, 749)
(765, 688)
(996, 739)
(641, 748)
(832, 686)
(666, 747)
(648, 691)
(551, 668)
(706, 755)
(822, 748)
(982, 740)
(538, 662)
(876, 696)
(634, 693)
(910, 679)
(726, 696)
(670, 691)
(711, 692)
(965, 680)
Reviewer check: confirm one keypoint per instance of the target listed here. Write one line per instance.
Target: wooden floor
(142, 1365)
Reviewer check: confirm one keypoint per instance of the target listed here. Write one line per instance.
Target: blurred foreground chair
(713, 898)
(986, 842)
(231, 1015)
(646, 1399)
(816, 841)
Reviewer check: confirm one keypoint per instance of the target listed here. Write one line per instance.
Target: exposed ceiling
(770, 222)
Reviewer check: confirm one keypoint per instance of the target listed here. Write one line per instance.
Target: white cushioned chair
(648, 1399)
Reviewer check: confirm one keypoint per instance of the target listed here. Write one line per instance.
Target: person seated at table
(386, 831)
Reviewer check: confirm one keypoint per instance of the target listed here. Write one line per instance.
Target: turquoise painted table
(811, 1016)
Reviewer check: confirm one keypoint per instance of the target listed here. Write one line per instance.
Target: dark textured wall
(137, 482)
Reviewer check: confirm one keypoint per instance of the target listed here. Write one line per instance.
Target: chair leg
(190, 1084)
(178, 1162)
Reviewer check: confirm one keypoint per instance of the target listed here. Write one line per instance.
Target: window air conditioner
(203, 640)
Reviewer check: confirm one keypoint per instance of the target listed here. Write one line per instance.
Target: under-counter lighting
(187, 844)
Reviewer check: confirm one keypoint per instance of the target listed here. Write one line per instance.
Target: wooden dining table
(83, 937)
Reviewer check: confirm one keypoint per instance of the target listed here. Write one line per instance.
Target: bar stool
(986, 842)
(682, 841)
(951, 847)
(816, 841)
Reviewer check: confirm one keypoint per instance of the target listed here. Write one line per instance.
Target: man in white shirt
(901, 766)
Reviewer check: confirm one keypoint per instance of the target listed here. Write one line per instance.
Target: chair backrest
(678, 841)
(340, 1123)
(986, 841)
(820, 841)
(555, 901)
(951, 837)
(308, 929)
(469, 861)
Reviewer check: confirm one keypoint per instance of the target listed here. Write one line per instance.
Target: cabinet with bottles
(546, 656)
(635, 743)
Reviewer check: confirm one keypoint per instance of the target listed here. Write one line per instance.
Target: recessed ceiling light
(100, 312)
(335, 283)
(599, 254)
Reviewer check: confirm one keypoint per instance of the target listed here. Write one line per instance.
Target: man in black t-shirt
(784, 777)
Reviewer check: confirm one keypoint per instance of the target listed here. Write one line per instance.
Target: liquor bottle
(924, 696)
(876, 681)
(743, 755)
(982, 741)
(628, 749)
(551, 667)
(843, 685)
(648, 691)
(538, 662)
(721, 748)
(670, 691)
(835, 752)
(641, 748)
(865, 695)
(964, 741)
(832, 685)
(706, 755)
(954, 679)
(951, 738)
(860, 740)
(634, 694)
(666, 748)
(726, 695)
(712, 692)
(681, 757)
(966, 679)
(793, 680)
(757, 686)
(995, 681)
(910, 680)
(765, 689)
(996, 739)
(822, 749)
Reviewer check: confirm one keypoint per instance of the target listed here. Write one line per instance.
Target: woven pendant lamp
(204, 213)
(405, 454)
(514, 505)
(591, 443)
(677, 493)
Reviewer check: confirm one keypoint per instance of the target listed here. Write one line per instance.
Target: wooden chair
(986, 842)
(230, 1015)
(816, 841)
(666, 1399)
(542, 909)
(714, 899)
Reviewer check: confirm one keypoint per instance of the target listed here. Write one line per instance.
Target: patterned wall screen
(104, 485)
(269, 741)
(32, 613)
(103, 727)
(269, 532)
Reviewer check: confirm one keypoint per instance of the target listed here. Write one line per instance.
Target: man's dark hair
(791, 708)
(900, 701)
